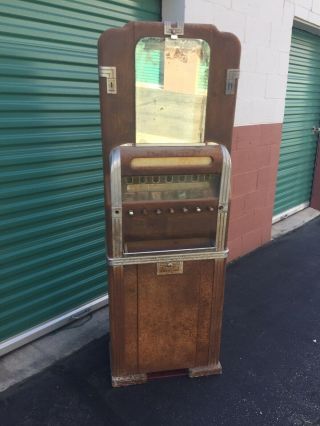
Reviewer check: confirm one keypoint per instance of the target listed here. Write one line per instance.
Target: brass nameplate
(167, 268)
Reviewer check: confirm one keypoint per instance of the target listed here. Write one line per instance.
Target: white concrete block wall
(264, 29)
(316, 6)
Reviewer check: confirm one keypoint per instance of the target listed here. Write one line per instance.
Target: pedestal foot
(206, 370)
(132, 379)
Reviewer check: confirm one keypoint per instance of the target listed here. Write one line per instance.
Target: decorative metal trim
(178, 257)
(232, 76)
(171, 251)
(110, 73)
(116, 202)
(173, 29)
(118, 258)
(133, 379)
(223, 199)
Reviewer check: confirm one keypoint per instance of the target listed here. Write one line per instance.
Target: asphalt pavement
(270, 358)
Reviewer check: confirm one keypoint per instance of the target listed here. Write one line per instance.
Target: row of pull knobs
(171, 210)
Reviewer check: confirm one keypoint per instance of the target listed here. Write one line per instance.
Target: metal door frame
(51, 325)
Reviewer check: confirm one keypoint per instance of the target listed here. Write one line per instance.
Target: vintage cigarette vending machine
(167, 96)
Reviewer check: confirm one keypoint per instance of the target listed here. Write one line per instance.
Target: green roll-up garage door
(149, 65)
(302, 112)
(52, 215)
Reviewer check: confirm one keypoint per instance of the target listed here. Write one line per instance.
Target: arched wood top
(116, 48)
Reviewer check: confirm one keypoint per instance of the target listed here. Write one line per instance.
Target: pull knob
(211, 209)
(171, 210)
(131, 213)
(185, 209)
(158, 211)
(198, 209)
(144, 211)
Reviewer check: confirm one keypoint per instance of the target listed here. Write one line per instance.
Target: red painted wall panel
(255, 157)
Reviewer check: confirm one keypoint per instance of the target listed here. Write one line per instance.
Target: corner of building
(255, 155)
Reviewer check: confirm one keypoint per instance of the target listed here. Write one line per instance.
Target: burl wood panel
(168, 317)
(123, 293)
(216, 312)
(205, 312)
(165, 322)
(117, 314)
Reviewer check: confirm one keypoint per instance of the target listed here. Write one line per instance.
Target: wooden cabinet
(167, 187)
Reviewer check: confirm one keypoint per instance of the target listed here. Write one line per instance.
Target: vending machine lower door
(165, 316)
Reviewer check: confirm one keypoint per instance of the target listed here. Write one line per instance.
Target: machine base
(206, 370)
(136, 379)
(133, 379)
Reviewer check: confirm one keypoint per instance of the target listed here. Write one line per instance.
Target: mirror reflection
(171, 90)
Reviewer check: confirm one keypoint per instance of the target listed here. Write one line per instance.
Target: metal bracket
(173, 29)
(232, 76)
(110, 73)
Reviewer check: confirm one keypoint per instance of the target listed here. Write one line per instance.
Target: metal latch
(232, 76)
(173, 29)
(110, 73)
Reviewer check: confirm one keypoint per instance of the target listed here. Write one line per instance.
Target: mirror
(171, 90)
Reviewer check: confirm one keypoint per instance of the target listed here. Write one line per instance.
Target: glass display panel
(170, 187)
(171, 90)
(145, 162)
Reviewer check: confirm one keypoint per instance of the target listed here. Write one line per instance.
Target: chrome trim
(116, 201)
(138, 259)
(223, 199)
(110, 74)
(172, 251)
(107, 72)
(47, 327)
(173, 29)
(232, 76)
(132, 379)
